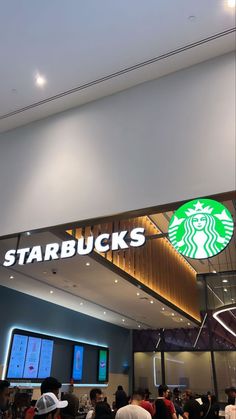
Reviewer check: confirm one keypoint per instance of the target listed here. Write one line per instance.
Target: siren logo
(201, 228)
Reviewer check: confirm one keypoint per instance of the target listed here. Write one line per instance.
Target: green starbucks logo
(201, 228)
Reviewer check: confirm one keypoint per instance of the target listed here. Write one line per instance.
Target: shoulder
(90, 414)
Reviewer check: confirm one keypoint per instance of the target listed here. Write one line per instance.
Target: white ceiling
(91, 290)
(76, 43)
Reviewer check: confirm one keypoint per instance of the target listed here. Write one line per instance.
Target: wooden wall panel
(157, 264)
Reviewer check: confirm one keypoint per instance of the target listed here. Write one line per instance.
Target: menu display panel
(17, 357)
(103, 365)
(32, 358)
(78, 359)
(45, 360)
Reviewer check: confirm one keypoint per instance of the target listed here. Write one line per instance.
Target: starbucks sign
(201, 228)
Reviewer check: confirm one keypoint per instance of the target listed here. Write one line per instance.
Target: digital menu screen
(17, 356)
(45, 359)
(102, 365)
(32, 358)
(78, 359)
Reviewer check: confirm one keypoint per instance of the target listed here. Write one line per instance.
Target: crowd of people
(168, 405)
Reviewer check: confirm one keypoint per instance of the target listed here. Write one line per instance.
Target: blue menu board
(32, 358)
(17, 356)
(78, 362)
(45, 360)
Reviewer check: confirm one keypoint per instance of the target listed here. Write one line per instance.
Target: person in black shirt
(210, 408)
(192, 409)
(4, 397)
(121, 398)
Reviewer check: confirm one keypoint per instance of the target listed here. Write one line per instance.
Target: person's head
(146, 394)
(119, 388)
(48, 405)
(50, 385)
(169, 394)
(187, 395)
(73, 405)
(137, 397)
(163, 391)
(102, 411)
(96, 396)
(232, 392)
(4, 393)
(176, 392)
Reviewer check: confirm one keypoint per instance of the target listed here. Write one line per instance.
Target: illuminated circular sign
(201, 228)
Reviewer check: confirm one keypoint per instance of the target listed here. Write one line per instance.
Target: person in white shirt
(133, 410)
(230, 410)
(96, 396)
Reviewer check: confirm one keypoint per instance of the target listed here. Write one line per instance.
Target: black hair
(102, 410)
(119, 388)
(161, 411)
(3, 385)
(162, 389)
(138, 394)
(94, 392)
(49, 385)
(73, 405)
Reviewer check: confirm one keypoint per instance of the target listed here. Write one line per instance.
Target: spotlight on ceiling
(40, 80)
(231, 3)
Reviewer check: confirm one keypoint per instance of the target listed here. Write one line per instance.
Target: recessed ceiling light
(87, 263)
(225, 280)
(123, 320)
(28, 233)
(231, 3)
(51, 291)
(139, 326)
(151, 302)
(232, 299)
(116, 281)
(181, 319)
(189, 324)
(172, 314)
(163, 308)
(214, 272)
(104, 312)
(81, 304)
(11, 277)
(40, 80)
(225, 290)
(138, 293)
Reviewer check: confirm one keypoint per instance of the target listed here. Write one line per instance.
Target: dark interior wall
(25, 312)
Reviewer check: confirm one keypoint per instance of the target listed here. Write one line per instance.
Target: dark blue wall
(26, 312)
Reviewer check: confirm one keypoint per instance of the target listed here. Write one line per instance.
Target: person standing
(4, 398)
(191, 408)
(133, 410)
(96, 396)
(121, 398)
(164, 408)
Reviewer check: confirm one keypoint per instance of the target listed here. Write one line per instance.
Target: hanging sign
(201, 228)
(69, 248)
